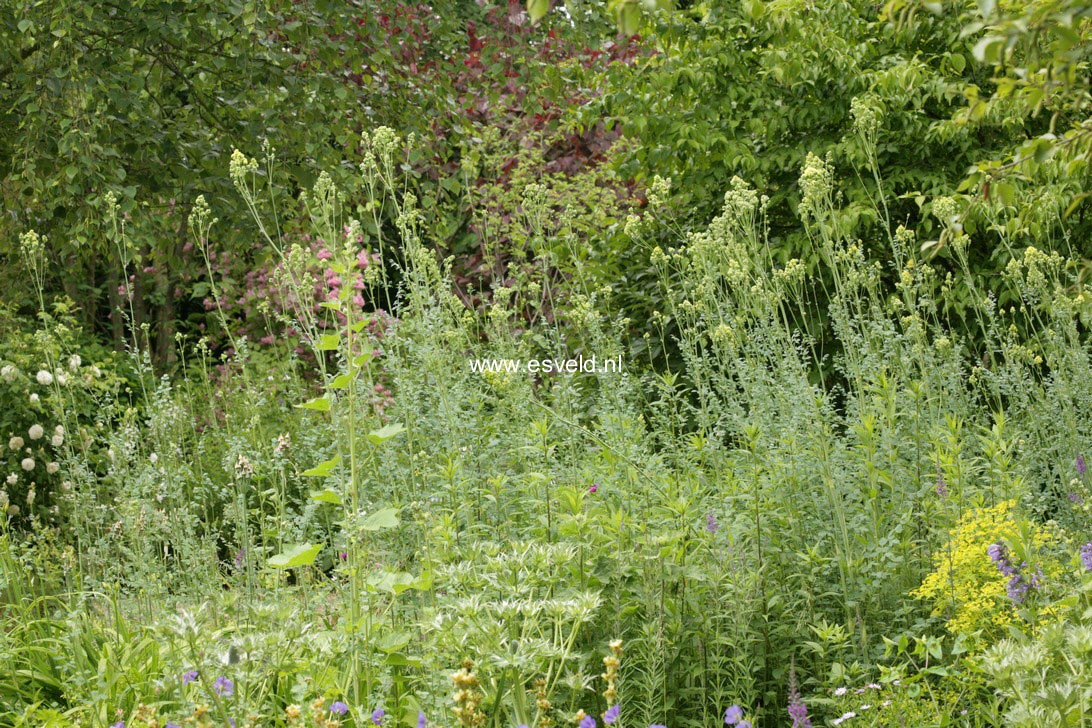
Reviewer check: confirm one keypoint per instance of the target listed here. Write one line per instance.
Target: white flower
(52, 468)
(839, 692)
(3, 500)
(57, 440)
(74, 362)
(30, 497)
(58, 430)
(27, 464)
(154, 458)
(12, 479)
(96, 371)
(843, 718)
(7, 372)
(44, 378)
(13, 510)
(62, 378)
(36, 432)
(34, 398)
(15, 443)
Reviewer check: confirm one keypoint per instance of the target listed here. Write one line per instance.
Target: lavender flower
(587, 722)
(119, 724)
(224, 687)
(1082, 468)
(189, 676)
(422, 721)
(711, 524)
(744, 724)
(172, 725)
(339, 708)
(657, 725)
(733, 715)
(798, 711)
(941, 487)
(377, 716)
(1086, 556)
(612, 714)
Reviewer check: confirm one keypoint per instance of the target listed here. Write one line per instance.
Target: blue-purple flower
(422, 721)
(1086, 556)
(798, 711)
(733, 715)
(224, 687)
(587, 722)
(189, 676)
(339, 708)
(119, 724)
(612, 714)
(941, 487)
(1082, 468)
(711, 524)
(377, 716)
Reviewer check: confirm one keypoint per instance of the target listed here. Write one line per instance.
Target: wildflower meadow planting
(549, 364)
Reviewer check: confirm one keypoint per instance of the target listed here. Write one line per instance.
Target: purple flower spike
(711, 524)
(941, 487)
(377, 716)
(224, 687)
(339, 708)
(422, 721)
(1081, 467)
(1086, 556)
(612, 714)
(733, 715)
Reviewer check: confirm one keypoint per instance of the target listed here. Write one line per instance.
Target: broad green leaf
(299, 555)
(381, 519)
(328, 342)
(328, 495)
(536, 9)
(341, 381)
(319, 404)
(378, 437)
(323, 469)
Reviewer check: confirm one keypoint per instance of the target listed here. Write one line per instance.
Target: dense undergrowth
(866, 518)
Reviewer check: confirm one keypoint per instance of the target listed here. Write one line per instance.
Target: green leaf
(381, 520)
(629, 18)
(25, 25)
(299, 555)
(537, 9)
(341, 381)
(378, 437)
(319, 404)
(329, 495)
(328, 342)
(323, 469)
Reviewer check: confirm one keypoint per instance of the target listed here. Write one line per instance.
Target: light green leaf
(329, 495)
(381, 519)
(378, 437)
(319, 404)
(323, 469)
(299, 555)
(537, 9)
(328, 342)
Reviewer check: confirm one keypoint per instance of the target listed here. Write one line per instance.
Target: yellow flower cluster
(965, 585)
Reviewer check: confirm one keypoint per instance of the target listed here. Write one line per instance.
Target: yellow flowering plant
(994, 560)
